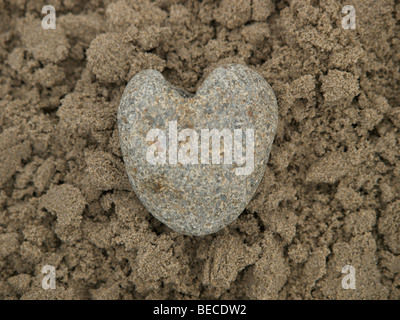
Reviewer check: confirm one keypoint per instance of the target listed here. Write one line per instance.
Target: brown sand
(329, 198)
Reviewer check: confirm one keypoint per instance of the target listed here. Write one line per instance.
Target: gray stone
(197, 199)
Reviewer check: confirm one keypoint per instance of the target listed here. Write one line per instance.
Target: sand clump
(330, 195)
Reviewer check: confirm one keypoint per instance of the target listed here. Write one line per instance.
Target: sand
(330, 195)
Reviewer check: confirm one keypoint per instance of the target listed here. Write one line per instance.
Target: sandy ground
(330, 195)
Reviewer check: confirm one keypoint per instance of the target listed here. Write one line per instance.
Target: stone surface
(196, 199)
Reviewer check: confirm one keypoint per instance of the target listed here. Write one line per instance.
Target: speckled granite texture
(196, 199)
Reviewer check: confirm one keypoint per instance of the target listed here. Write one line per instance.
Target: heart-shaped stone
(195, 161)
